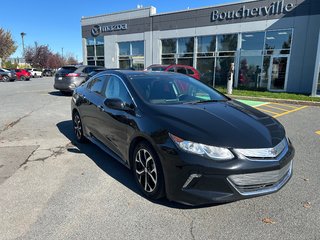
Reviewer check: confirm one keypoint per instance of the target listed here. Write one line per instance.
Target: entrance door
(278, 73)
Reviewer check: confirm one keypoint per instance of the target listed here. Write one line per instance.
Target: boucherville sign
(275, 8)
(97, 29)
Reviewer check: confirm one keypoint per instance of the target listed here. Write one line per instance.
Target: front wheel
(148, 172)
(22, 78)
(77, 127)
(5, 79)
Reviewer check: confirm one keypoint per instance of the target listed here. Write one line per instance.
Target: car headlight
(216, 153)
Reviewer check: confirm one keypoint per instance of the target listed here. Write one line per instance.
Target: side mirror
(118, 104)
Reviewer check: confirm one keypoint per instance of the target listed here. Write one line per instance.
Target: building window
(95, 51)
(214, 58)
(278, 42)
(131, 55)
(178, 51)
(250, 62)
(264, 59)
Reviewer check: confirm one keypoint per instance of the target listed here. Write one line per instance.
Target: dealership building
(273, 44)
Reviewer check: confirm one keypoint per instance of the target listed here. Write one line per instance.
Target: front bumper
(194, 180)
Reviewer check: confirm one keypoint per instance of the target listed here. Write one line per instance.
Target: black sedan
(181, 138)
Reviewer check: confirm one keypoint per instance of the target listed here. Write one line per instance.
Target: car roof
(130, 73)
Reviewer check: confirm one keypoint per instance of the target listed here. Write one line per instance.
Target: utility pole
(22, 37)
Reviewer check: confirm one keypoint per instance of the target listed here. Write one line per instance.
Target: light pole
(22, 37)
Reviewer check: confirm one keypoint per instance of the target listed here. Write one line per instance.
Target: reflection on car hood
(227, 124)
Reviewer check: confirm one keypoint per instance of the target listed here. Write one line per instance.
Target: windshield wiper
(206, 101)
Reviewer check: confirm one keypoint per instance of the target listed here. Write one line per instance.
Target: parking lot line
(281, 109)
(291, 111)
(285, 105)
(267, 111)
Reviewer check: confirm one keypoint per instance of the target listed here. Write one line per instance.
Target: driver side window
(116, 89)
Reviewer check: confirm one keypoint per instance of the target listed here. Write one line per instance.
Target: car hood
(224, 124)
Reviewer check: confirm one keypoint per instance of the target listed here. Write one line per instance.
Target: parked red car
(184, 69)
(22, 75)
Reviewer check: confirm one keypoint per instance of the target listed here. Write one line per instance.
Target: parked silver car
(7, 75)
(68, 78)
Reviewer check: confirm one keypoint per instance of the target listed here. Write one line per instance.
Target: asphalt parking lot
(53, 188)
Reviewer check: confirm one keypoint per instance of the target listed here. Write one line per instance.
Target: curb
(276, 100)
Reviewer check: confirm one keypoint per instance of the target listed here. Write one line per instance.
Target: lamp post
(22, 37)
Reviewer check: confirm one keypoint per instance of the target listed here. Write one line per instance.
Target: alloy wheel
(146, 170)
(77, 126)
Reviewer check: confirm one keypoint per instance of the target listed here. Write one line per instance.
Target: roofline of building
(165, 13)
(117, 13)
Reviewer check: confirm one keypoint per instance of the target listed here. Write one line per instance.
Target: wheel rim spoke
(146, 170)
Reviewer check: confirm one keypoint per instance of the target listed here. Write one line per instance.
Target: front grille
(262, 182)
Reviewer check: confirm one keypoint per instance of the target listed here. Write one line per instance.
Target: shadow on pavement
(111, 166)
(58, 93)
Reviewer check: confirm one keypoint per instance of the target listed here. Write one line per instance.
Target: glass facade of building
(261, 58)
(95, 51)
(131, 55)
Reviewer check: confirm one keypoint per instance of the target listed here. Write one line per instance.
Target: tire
(147, 171)
(22, 78)
(5, 79)
(77, 128)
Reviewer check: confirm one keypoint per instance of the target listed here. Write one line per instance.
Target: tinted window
(206, 44)
(181, 70)
(116, 89)
(96, 85)
(137, 48)
(67, 69)
(190, 71)
(252, 41)
(124, 48)
(278, 39)
(171, 69)
(227, 42)
(169, 45)
(173, 89)
(156, 69)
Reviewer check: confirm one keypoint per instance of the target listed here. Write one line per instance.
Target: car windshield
(174, 89)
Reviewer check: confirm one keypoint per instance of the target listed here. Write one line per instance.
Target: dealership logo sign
(274, 8)
(98, 29)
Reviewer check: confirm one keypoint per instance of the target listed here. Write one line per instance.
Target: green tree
(7, 45)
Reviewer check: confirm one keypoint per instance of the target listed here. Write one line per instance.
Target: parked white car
(34, 72)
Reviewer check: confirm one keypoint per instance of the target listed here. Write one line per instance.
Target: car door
(117, 122)
(92, 105)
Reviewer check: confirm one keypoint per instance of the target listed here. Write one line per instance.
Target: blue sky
(57, 22)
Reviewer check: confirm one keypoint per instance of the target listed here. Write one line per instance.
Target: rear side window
(67, 70)
(171, 70)
(190, 72)
(181, 70)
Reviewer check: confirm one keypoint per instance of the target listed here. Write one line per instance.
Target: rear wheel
(77, 127)
(147, 171)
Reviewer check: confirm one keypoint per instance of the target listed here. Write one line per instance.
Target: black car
(68, 78)
(47, 73)
(7, 75)
(181, 138)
